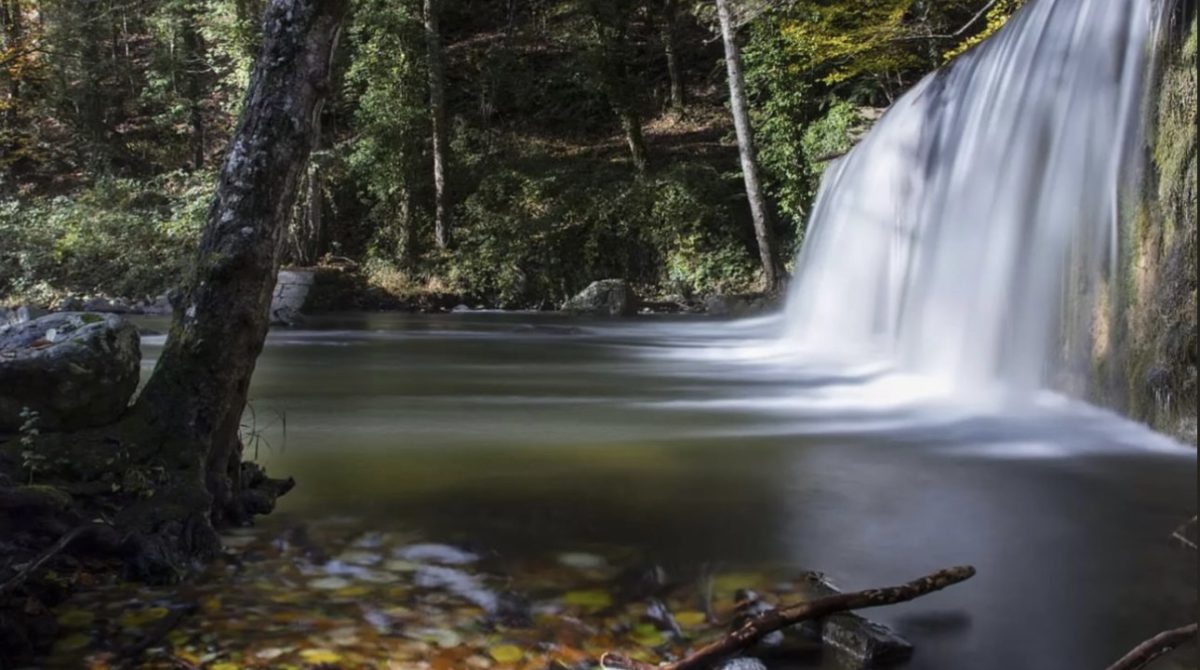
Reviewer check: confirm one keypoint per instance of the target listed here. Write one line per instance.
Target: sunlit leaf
(318, 656)
(593, 599)
(690, 618)
(506, 653)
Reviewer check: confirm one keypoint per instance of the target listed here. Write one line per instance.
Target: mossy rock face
(75, 370)
(1149, 370)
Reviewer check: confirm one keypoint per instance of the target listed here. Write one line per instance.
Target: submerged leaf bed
(330, 595)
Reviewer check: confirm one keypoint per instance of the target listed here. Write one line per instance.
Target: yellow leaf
(211, 605)
(690, 618)
(356, 591)
(729, 583)
(75, 618)
(139, 618)
(72, 643)
(318, 656)
(224, 666)
(594, 600)
(506, 653)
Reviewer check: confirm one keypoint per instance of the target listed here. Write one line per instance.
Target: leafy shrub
(119, 237)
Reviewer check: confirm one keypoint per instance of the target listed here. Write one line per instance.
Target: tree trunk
(773, 272)
(678, 95)
(437, 113)
(194, 66)
(632, 126)
(610, 23)
(192, 405)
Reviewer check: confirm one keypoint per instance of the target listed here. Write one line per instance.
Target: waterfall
(967, 235)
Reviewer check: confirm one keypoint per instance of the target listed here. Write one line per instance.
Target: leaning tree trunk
(190, 410)
(773, 271)
(437, 114)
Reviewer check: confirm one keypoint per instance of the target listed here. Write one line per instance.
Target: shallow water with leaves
(693, 445)
(331, 594)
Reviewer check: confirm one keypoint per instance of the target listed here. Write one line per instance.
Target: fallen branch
(44, 557)
(759, 626)
(1156, 646)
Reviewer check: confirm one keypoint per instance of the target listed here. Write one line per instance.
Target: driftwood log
(755, 628)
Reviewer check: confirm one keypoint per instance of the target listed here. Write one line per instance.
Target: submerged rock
(75, 370)
(607, 297)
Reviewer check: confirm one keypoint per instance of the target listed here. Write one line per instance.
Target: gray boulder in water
(606, 297)
(76, 370)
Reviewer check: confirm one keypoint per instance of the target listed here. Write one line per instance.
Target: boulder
(76, 370)
(607, 297)
(291, 296)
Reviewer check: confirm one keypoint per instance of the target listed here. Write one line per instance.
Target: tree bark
(678, 94)
(190, 410)
(437, 114)
(773, 272)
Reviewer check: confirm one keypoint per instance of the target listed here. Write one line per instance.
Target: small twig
(1179, 533)
(978, 15)
(1156, 646)
(44, 557)
(757, 627)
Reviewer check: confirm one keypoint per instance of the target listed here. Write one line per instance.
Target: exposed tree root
(755, 628)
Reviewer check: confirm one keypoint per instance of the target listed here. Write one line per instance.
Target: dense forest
(504, 153)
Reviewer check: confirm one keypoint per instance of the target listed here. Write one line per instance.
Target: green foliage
(529, 236)
(120, 237)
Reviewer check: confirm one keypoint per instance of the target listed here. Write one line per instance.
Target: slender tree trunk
(192, 405)
(194, 68)
(609, 22)
(437, 113)
(632, 125)
(773, 271)
(315, 213)
(678, 94)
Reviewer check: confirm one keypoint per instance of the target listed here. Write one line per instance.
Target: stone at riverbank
(606, 297)
(76, 370)
(292, 288)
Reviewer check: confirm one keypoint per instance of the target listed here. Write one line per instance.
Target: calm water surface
(529, 433)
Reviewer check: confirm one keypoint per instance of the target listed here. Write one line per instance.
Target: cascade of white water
(952, 239)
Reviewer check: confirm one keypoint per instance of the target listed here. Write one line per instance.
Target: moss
(1158, 288)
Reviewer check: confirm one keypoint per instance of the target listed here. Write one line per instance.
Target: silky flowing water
(659, 441)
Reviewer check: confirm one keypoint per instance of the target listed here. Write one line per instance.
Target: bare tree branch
(1144, 653)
